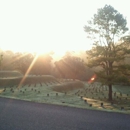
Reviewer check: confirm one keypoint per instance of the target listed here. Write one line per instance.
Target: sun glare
(92, 79)
(42, 27)
(42, 50)
(58, 50)
(38, 50)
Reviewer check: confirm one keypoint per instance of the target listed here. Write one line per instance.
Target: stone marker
(90, 105)
(102, 104)
(85, 100)
(122, 108)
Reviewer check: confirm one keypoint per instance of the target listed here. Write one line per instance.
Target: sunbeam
(28, 70)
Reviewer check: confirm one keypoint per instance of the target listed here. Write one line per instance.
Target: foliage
(1, 59)
(42, 64)
(105, 25)
(36, 64)
(7, 60)
(22, 61)
(105, 29)
(73, 67)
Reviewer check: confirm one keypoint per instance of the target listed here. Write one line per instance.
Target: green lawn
(71, 93)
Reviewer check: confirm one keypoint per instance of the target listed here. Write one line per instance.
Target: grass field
(72, 93)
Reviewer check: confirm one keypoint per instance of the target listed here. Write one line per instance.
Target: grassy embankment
(47, 89)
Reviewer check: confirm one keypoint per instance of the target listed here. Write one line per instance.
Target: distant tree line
(69, 66)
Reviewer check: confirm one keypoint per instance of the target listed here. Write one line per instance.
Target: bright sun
(42, 27)
(39, 49)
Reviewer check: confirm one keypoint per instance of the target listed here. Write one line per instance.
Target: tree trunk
(110, 92)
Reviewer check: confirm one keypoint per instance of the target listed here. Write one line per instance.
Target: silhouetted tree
(42, 64)
(22, 61)
(7, 60)
(104, 29)
(71, 66)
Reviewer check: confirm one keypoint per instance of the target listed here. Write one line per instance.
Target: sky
(50, 25)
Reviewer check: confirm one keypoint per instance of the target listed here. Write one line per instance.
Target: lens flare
(92, 79)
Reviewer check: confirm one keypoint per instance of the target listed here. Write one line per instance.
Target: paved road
(23, 115)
